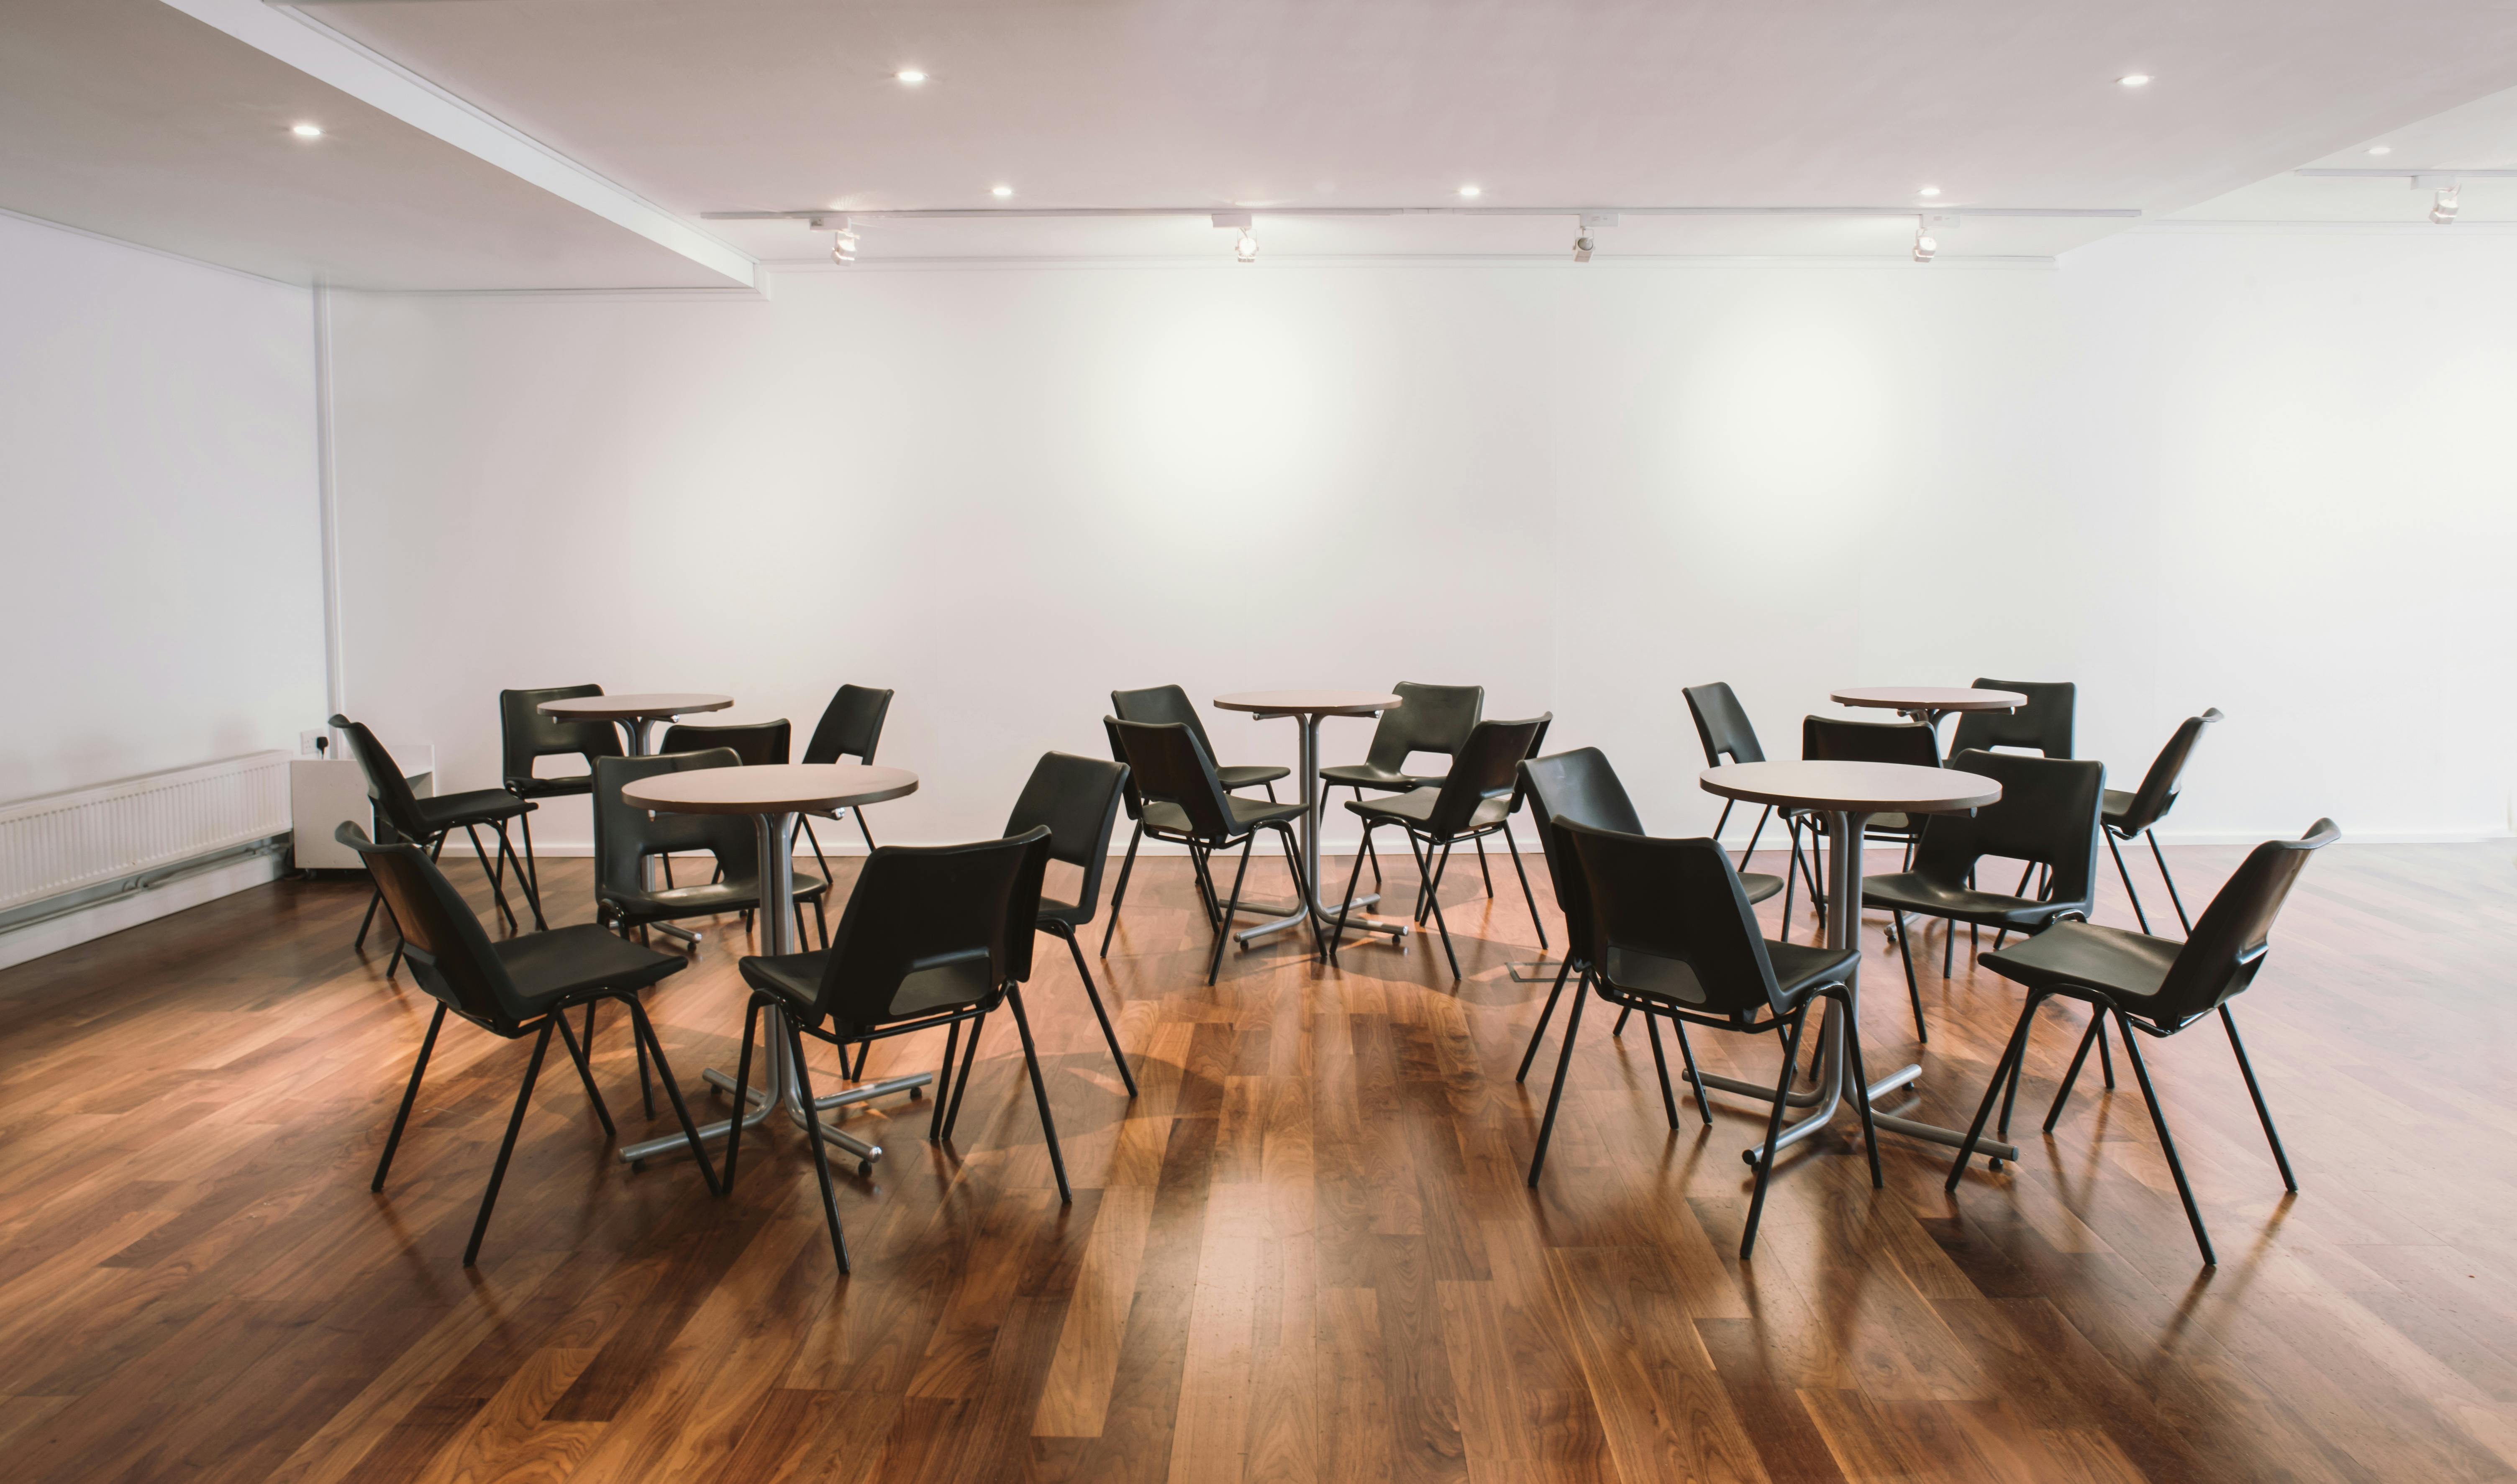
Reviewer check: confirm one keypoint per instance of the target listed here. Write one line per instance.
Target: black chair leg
(1040, 1091)
(863, 830)
(1543, 1015)
(1479, 841)
(813, 1136)
(1336, 935)
(646, 1078)
(865, 1051)
(1433, 900)
(2138, 916)
(1563, 1061)
(525, 881)
(1527, 895)
(2072, 1074)
(507, 1145)
(1093, 994)
(1773, 1130)
(1791, 879)
(815, 841)
(497, 894)
(531, 864)
(410, 1096)
(652, 1049)
(742, 1090)
(2000, 1075)
(961, 1079)
(2229, 1023)
(1660, 1064)
(1949, 949)
(375, 900)
(1367, 847)
(1862, 1090)
(1119, 893)
(1913, 991)
(586, 1074)
(943, 1083)
(1223, 933)
(2160, 856)
(1624, 1013)
(1694, 1077)
(2167, 1141)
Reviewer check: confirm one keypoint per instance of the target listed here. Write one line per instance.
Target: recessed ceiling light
(2135, 79)
(1002, 192)
(307, 131)
(2381, 148)
(1471, 192)
(1929, 190)
(911, 76)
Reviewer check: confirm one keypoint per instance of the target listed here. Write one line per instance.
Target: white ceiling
(127, 117)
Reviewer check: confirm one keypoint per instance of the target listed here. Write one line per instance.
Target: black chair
(1834, 740)
(1721, 725)
(526, 733)
(521, 987)
(1169, 765)
(2157, 988)
(1672, 935)
(2042, 726)
(1076, 799)
(2126, 815)
(625, 834)
(427, 821)
(2047, 815)
(1579, 788)
(1166, 705)
(932, 936)
(851, 726)
(755, 743)
(1476, 799)
(1430, 718)
(1158, 820)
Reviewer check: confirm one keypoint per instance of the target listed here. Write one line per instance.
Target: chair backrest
(1077, 800)
(1679, 902)
(625, 834)
(1835, 740)
(1168, 764)
(527, 731)
(2157, 793)
(398, 806)
(449, 952)
(1161, 705)
(1721, 725)
(1429, 718)
(851, 726)
(1578, 788)
(933, 928)
(756, 742)
(2043, 725)
(2047, 813)
(1488, 763)
(2227, 946)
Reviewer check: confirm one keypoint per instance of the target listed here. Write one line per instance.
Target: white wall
(2254, 471)
(158, 449)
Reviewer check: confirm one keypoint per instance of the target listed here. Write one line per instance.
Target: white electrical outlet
(311, 743)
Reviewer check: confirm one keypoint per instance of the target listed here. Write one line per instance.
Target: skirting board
(114, 913)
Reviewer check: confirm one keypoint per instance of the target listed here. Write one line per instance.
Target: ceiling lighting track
(981, 213)
(2444, 205)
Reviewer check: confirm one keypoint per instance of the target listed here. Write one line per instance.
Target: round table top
(1853, 787)
(1929, 698)
(770, 789)
(1313, 703)
(632, 707)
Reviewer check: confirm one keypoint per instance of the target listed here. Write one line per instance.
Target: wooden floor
(1305, 1251)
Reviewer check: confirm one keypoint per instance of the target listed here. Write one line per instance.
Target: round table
(1927, 704)
(1851, 793)
(634, 714)
(774, 794)
(1307, 708)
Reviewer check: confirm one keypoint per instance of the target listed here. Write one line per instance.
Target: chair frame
(1212, 827)
(2160, 788)
(393, 798)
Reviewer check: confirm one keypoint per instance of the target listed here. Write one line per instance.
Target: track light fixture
(1245, 248)
(2442, 206)
(843, 241)
(1926, 245)
(1591, 221)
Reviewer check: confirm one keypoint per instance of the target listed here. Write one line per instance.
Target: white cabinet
(323, 791)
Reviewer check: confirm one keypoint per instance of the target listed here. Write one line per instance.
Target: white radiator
(64, 842)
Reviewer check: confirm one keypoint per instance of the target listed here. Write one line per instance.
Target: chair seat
(1248, 778)
(570, 964)
(701, 901)
(2127, 968)
(1163, 818)
(796, 979)
(1071, 913)
(1418, 807)
(1797, 969)
(1251, 814)
(550, 788)
(1909, 891)
(2114, 808)
(1368, 776)
(1760, 885)
(481, 806)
